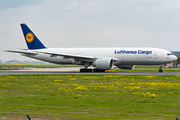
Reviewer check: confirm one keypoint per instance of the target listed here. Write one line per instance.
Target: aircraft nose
(174, 58)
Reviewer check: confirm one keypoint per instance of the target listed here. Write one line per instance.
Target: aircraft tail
(31, 40)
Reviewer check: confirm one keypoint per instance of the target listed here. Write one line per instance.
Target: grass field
(123, 97)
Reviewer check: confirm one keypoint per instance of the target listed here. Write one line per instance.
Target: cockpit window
(169, 54)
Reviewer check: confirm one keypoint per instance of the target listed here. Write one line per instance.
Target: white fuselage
(122, 56)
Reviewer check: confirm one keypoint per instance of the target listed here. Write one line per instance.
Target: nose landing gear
(160, 69)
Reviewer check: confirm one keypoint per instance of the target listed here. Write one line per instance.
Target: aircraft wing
(52, 54)
(67, 55)
(24, 52)
(77, 57)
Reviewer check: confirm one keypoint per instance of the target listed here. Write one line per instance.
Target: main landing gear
(85, 70)
(90, 70)
(96, 70)
(160, 69)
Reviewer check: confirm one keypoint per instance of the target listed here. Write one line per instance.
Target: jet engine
(125, 66)
(104, 64)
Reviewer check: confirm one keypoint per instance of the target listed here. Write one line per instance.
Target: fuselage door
(155, 55)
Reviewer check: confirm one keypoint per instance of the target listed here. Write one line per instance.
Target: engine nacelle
(104, 64)
(125, 66)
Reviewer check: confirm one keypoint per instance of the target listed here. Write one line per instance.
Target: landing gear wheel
(85, 70)
(96, 70)
(160, 70)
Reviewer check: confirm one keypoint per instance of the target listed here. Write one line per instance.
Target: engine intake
(104, 63)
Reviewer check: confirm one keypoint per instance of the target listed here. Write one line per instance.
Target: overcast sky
(90, 23)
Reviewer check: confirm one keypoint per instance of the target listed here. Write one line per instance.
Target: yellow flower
(83, 88)
(58, 80)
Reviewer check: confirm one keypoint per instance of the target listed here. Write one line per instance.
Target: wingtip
(6, 50)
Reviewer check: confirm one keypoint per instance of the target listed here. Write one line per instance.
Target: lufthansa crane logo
(29, 37)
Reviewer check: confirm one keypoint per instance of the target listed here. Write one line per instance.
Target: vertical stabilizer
(31, 40)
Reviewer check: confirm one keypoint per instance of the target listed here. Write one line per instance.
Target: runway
(75, 70)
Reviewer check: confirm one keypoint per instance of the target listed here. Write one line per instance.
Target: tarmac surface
(75, 70)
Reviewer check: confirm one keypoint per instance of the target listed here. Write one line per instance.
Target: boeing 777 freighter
(101, 58)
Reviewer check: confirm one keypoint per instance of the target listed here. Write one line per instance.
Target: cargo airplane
(101, 58)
